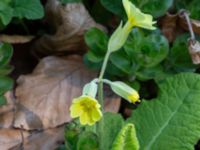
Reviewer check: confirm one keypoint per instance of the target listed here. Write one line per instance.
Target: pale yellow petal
(83, 118)
(96, 115)
(75, 110)
(136, 17)
(126, 4)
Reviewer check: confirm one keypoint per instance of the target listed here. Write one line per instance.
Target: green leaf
(121, 61)
(91, 56)
(4, 70)
(2, 100)
(29, 9)
(114, 6)
(172, 120)
(112, 125)
(156, 8)
(6, 52)
(87, 141)
(5, 84)
(6, 13)
(97, 41)
(149, 50)
(91, 64)
(72, 132)
(191, 6)
(126, 139)
(150, 73)
(179, 57)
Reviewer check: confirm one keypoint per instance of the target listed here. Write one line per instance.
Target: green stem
(104, 66)
(100, 124)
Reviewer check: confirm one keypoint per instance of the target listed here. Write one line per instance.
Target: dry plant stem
(100, 98)
(189, 25)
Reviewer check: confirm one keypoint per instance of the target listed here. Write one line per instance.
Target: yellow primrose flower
(87, 108)
(124, 91)
(137, 18)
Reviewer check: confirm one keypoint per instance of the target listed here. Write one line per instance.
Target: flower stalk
(100, 124)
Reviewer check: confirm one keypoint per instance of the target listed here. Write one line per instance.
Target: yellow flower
(133, 97)
(124, 91)
(87, 108)
(137, 18)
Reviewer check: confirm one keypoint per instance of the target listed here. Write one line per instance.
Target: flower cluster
(86, 107)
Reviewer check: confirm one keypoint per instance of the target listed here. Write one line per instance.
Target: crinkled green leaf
(87, 141)
(149, 51)
(112, 125)
(172, 120)
(126, 139)
(121, 61)
(6, 52)
(179, 57)
(150, 73)
(6, 13)
(29, 9)
(156, 8)
(97, 41)
(91, 56)
(5, 84)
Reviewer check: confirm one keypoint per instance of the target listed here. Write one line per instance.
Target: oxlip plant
(87, 107)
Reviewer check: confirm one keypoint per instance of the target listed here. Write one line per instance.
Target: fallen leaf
(194, 50)
(15, 39)
(7, 111)
(45, 95)
(69, 22)
(10, 138)
(169, 26)
(38, 140)
(44, 140)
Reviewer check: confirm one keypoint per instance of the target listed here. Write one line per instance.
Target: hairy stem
(100, 124)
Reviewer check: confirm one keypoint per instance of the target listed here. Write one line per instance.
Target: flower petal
(136, 17)
(87, 108)
(96, 115)
(83, 118)
(75, 110)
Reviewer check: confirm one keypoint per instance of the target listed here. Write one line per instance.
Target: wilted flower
(87, 108)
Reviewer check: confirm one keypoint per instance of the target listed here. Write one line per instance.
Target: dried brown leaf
(7, 111)
(194, 50)
(45, 95)
(15, 39)
(43, 140)
(70, 22)
(169, 26)
(10, 138)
